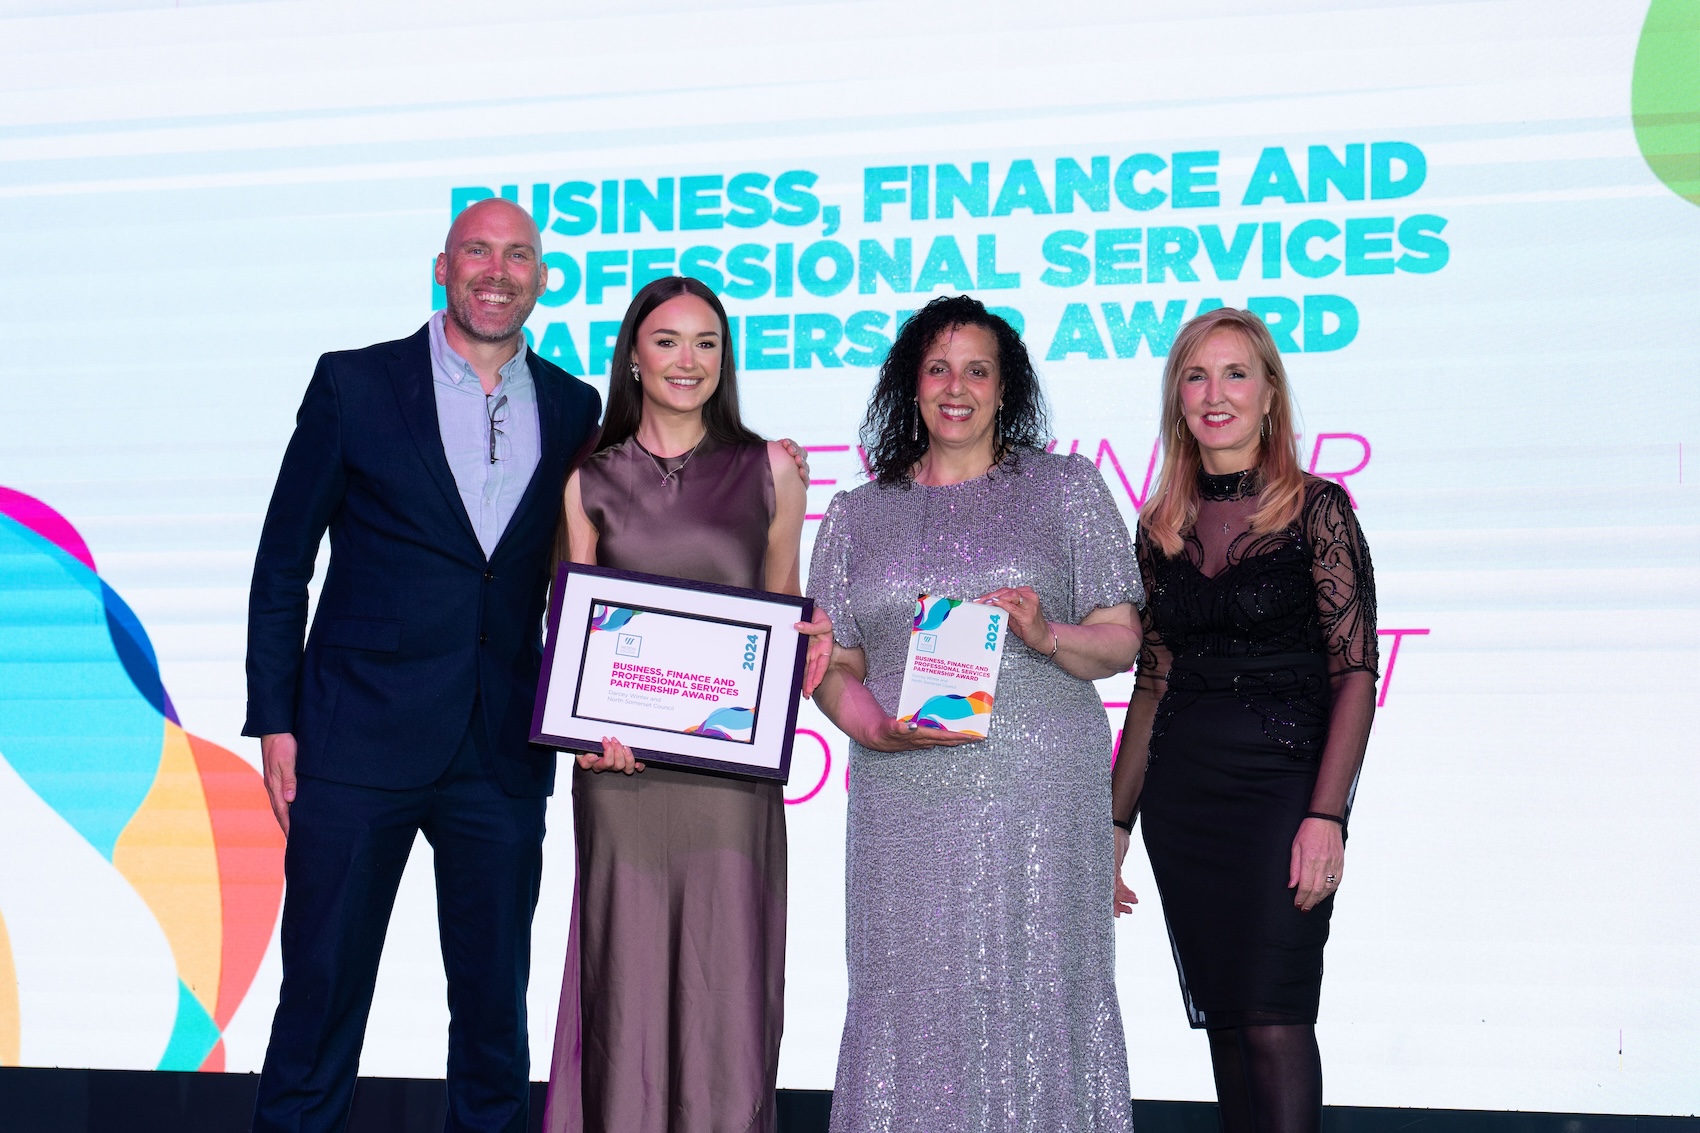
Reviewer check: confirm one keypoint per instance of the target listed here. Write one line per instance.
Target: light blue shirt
(475, 424)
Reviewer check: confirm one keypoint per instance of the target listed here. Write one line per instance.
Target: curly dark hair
(892, 413)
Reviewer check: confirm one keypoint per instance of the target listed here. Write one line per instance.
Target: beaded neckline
(1229, 486)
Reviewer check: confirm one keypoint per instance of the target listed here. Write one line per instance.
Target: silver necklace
(666, 476)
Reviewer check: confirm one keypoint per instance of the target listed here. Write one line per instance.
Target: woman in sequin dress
(978, 877)
(678, 938)
(1250, 713)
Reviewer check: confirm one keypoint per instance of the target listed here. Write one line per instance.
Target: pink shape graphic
(1398, 635)
(826, 753)
(1339, 476)
(47, 523)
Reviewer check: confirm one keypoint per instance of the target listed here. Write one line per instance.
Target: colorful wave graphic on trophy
(931, 612)
(950, 711)
(141, 869)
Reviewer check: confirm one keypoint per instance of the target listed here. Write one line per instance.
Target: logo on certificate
(926, 642)
(629, 645)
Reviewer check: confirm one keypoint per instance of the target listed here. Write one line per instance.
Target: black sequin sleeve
(1344, 578)
(1345, 606)
(1154, 655)
(1151, 677)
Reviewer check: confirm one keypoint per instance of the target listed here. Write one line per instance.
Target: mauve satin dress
(673, 999)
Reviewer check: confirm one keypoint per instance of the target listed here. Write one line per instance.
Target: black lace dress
(1263, 650)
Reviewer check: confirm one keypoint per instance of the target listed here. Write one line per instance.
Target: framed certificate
(686, 674)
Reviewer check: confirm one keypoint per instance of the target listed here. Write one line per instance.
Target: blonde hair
(1173, 507)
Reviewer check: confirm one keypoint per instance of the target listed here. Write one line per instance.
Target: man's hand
(277, 753)
(798, 455)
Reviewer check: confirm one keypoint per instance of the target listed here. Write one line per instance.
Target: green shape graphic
(1665, 95)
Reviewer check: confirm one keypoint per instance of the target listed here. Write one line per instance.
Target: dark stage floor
(36, 1100)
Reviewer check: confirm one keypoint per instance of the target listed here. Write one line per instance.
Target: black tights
(1268, 1078)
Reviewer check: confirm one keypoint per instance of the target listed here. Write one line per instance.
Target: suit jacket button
(483, 638)
(489, 576)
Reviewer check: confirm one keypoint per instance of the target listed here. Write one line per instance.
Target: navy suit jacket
(415, 625)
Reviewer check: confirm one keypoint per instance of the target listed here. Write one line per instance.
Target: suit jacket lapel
(410, 373)
(550, 428)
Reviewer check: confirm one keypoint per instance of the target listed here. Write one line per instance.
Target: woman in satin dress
(1250, 714)
(980, 946)
(673, 999)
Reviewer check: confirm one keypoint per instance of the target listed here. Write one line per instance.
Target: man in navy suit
(436, 463)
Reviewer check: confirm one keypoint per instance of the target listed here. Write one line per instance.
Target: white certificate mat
(684, 673)
(673, 672)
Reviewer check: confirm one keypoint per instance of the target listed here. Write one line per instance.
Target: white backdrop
(1486, 295)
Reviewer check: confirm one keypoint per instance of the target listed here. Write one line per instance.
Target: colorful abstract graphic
(726, 724)
(930, 612)
(607, 619)
(950, 711)
(1665, 95)
(141, 869)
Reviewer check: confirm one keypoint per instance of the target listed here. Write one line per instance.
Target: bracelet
(1056, 644)
(1120, 825)
(1328, 817)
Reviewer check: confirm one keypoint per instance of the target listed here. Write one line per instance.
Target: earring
(1180, 428)
(915, 421)
(1263, 428)
(636, 376)
(997, 427)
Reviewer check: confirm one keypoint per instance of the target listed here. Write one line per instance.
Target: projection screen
(1474, 229)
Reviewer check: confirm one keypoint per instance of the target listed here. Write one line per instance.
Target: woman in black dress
(1251, 709)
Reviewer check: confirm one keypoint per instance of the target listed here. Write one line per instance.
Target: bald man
(436, 463)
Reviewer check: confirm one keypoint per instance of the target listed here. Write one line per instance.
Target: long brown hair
(720, 416)
(1173, 508)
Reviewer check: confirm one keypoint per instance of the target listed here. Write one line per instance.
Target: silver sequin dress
(978, 879)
